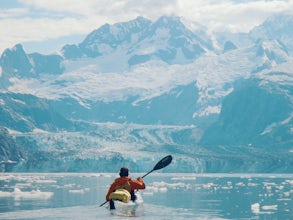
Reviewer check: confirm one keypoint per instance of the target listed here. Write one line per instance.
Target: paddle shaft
(147, 173)
(103, 203)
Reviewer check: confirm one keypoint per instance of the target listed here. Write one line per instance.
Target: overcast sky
(46, 25)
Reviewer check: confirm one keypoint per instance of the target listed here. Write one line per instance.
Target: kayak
(129, 209)
(133, 208)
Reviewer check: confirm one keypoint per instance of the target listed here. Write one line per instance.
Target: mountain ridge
(154, 74)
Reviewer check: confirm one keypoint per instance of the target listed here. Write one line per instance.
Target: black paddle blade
(163, 163)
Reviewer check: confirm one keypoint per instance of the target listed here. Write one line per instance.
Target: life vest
(122, 193)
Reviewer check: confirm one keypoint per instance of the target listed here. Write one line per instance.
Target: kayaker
(125, 183)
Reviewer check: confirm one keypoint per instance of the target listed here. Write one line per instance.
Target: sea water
(167, 196)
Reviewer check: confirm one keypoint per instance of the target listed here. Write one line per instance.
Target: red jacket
(134, 184)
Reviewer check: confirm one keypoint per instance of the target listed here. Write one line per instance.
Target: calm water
(168, 196)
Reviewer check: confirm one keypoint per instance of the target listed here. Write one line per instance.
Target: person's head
(124, 172)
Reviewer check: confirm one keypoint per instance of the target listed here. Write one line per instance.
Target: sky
(45, 26)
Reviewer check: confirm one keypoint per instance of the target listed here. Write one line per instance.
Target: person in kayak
(124, 182)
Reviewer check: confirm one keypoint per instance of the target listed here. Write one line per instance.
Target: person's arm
(111, 189)
(137, 183)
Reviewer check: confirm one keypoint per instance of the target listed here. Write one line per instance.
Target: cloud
(229, 15)
(28, 29)
(105, 8)
(40, 20)
(73, 7)
(12, 13)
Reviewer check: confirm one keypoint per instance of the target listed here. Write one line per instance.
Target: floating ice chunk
(17, 194)
(252, 184)
(147, 193)
(255, 208)
(79, 191)
(22, 185)
(270, 207)
(240, 184)
(170, 185)
(163, 189)
(289, 181)
(228, 186)
(280, 187)
(152, 189)
(208, 185)
(5, 178)
(5, 194)
(286, 194)
(70, 185)
(184, 178)
(45, 181)
(34, 194)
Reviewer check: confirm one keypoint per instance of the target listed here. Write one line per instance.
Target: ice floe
(17, 194)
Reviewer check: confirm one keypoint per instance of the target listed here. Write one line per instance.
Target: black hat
(124, 171)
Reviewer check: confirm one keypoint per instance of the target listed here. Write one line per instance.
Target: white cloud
(77, 7)
(28, 29)
(12, 12)
(222, 14)
(39, 20)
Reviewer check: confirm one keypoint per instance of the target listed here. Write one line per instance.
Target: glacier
(134, 91)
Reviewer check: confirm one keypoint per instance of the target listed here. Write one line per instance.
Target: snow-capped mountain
(278, 27)
(108, 38)
(16, 63)
(140, 40)
(171, 89)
